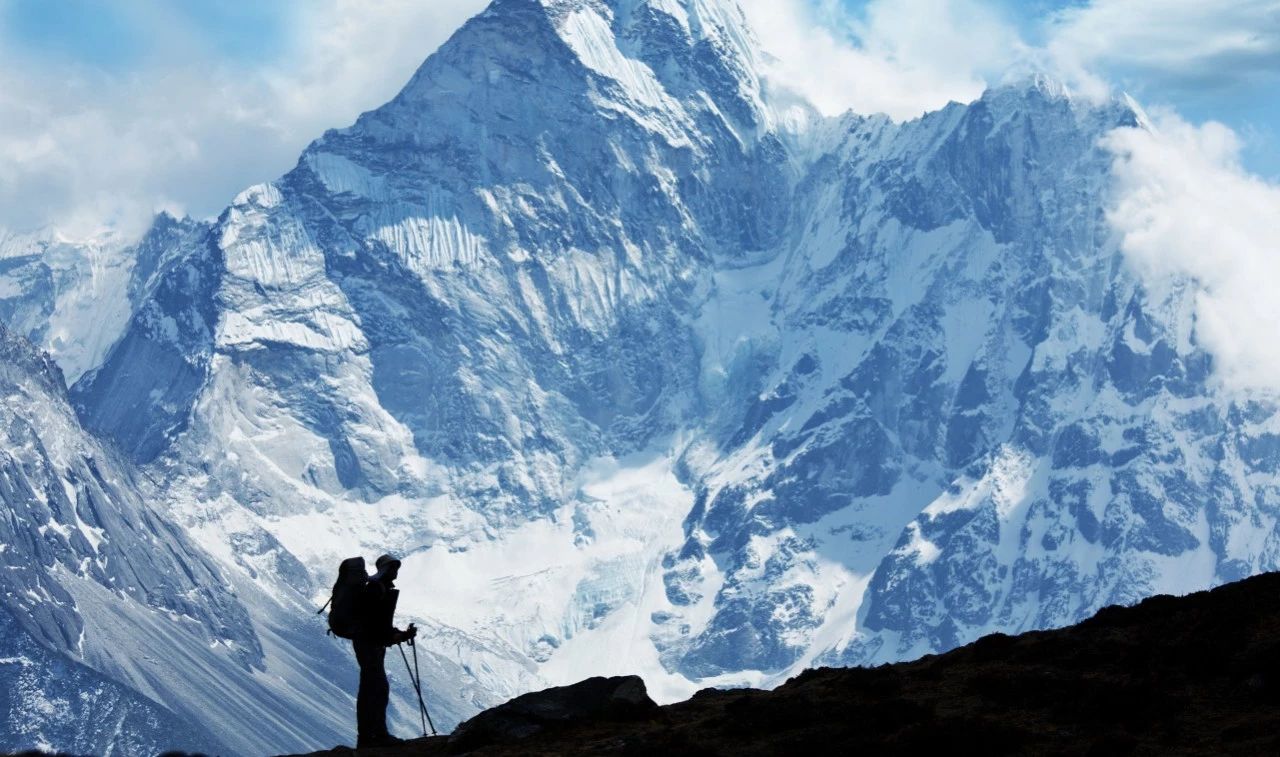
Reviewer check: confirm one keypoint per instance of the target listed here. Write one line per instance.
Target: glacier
(643, 366)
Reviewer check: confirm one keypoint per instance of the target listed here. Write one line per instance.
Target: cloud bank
(906, 57)
(1173, 44)
(1189, 215)
(898, 58)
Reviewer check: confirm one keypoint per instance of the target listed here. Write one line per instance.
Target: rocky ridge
(1198, 674)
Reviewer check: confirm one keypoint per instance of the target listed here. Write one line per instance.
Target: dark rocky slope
(1198, 674)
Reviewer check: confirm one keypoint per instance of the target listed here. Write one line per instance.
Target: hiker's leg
(381, 694)
(370, 715)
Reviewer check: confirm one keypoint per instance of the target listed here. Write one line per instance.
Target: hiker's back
(348, 611)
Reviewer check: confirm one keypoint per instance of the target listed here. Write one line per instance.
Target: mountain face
(426, 335)
(643, 366)
(52, 702)
(119, 632)
(971, 415)
(74, 298)
(69, 297)
(72, 529)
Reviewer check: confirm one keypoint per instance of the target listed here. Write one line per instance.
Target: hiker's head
(388, 568)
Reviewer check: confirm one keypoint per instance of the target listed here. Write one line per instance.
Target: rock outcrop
(595, 700)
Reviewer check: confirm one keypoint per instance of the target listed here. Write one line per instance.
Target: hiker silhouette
(373, 609)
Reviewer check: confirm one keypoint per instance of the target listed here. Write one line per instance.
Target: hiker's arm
(398, 636)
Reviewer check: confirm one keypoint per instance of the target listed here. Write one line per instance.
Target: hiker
(373, 633)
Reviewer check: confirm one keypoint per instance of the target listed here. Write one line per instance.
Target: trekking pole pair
(416, 678)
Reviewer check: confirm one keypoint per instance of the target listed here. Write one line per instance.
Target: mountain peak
(1038, 90)
(1036, 80)
(661, 63)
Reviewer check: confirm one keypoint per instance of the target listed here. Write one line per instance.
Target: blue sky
(180, 103)
(118, 36)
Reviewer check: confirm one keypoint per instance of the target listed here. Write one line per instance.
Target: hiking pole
(414, 681)
(418, 675)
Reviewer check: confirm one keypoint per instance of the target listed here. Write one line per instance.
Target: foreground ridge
(1192, 675)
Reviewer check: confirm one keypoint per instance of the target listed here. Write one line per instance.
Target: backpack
(344, 602)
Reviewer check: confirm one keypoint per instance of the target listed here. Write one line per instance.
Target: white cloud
(899, 58)
(904, 57)
(1188, 212)
(1182, 44)
(187, 131)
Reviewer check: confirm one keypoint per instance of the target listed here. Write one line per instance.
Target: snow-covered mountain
(73, 297)
(119, 632)
(968, 415)
(644, 366)
(456, 321)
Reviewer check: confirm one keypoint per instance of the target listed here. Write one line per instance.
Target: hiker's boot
(385, 739)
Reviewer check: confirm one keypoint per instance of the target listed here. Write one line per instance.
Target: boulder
(620, 698)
